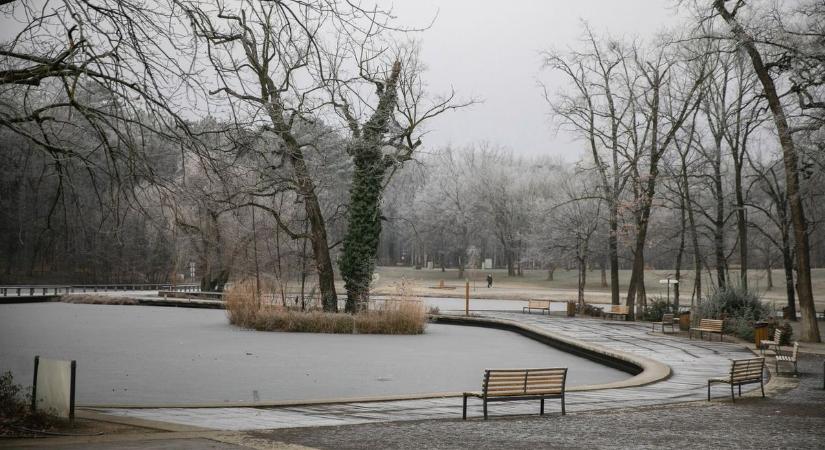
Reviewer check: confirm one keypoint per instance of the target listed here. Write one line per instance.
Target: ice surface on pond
(142, 354)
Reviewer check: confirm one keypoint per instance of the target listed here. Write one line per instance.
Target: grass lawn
(534, 283)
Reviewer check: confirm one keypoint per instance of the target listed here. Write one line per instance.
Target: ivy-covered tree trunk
(360, 245)
(361, 241)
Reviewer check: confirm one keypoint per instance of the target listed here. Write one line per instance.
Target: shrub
(739, 308)
(398, 314)
(15, 410)
(11, 402)
(656, 308)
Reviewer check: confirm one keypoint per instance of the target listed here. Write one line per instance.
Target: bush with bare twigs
(401, 313)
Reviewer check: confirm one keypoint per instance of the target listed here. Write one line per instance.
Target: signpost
(668, 281)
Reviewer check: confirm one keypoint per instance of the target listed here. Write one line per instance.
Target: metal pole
(467, 298)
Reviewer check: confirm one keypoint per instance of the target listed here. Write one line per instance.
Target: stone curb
(651, 371)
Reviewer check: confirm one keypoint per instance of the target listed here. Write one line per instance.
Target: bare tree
(595, 110)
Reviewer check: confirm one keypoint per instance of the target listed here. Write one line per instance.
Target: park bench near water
(708, 326)
(742, 371)
(520, 384)
(541, 305)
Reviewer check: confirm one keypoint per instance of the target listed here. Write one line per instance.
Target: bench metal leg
(708, 390)
(485, 409)
(464, 409)
(740, 390)
(762, 386)
(732, 397)
(562, 404)
(541, 411)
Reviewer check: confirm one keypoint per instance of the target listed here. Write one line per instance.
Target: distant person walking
(489, 280)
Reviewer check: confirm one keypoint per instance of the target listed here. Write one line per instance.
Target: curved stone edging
(647, 370)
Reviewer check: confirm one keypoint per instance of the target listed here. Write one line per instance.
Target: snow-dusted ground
(144, 354)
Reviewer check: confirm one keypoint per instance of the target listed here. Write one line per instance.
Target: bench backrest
(667, 318)
(777, 336)
(515, 382)
(538, 304)
(618, 309)
(711, 324)
(747, 369)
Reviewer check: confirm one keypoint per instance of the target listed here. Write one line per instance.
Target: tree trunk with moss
(360, 245)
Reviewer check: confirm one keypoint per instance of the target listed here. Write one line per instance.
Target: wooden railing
(49, 290)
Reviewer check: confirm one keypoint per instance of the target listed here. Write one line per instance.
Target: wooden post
(467, 298)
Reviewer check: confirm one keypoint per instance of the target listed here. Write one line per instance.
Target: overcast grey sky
(490, 50)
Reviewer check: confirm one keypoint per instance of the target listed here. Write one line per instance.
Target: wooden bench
(616, 310)
(784, 357)
(764, 343)
(520, 384)
(667, 321)
(541, 305)
(708, 326)
(742, 371)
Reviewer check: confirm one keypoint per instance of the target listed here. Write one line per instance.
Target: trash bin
(571, 309)
(760, 332)
(684, 321)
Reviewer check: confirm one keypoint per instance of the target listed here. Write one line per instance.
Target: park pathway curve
(691, 362)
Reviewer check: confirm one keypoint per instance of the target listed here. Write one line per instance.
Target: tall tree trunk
(694, 235)
(810, 328)
(511, 270)
(582, 277)
(719, 220)
(318, 232)
(787, 263)
(613, 247)
(679, 253)
(312, 207)
(604, 271)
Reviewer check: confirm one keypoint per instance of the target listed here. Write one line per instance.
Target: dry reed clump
(399, 314)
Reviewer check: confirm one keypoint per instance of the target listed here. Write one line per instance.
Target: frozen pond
(151, 355)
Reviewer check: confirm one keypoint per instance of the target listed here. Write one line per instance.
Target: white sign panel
(53, 388)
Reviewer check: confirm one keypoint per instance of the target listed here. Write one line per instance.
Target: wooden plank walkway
(692, 362)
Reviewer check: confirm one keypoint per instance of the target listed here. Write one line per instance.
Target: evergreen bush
(738, 307)
(656, 308)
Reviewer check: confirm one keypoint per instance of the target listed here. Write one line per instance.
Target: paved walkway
(691, 363)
